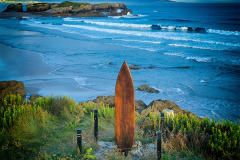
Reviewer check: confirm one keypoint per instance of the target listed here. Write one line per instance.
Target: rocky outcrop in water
(200, 30)
(40, 7)
(14, 8)
(146, 88)
(12, 87)
(68, 8)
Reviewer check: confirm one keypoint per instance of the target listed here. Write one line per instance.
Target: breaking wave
(235, 33)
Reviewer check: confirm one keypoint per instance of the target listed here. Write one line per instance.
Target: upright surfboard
(124, 109)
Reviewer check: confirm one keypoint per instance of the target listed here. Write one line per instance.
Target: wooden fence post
(96, 124)
(79, 139)
(159, 144)
(162, 121)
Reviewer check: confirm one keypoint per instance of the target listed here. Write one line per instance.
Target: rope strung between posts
(90, 132)
(143, 125)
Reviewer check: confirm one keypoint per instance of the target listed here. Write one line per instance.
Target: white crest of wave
(129, 15)
(235, 33)
(80, 81)
(135, 47)
(188, 46)
(118, 24)
(132, 40)
(69, 19)
(154, 35)
(175, 54)
(199, 59)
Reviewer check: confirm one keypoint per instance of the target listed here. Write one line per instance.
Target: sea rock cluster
(68, 8)
(14, 8)
(148, 89)
(173, 28)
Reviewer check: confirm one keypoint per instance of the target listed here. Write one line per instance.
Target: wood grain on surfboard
(124, 109)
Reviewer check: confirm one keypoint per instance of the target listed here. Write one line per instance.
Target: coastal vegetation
(6, 1)
(73, 4)
(45, 128)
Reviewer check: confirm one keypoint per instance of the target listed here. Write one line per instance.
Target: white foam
(118, 24)
(235, 33)
(129, 15)
(131, 40)
(188, 46)
(199, 59)
(135, 47)
(171, 27)
(179, 91)
(203, 81)
(68, 19)
(80, 81)
(175, 54)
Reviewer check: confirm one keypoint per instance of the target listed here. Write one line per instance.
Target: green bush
(73, 4)
(57, 105)
(219, 139)
(103, 111)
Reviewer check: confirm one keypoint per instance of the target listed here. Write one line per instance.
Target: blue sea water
(198, 71)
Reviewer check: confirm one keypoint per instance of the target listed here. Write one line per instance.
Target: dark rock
(184, 67)
(200, 30)
(110, 100)
(155, 27)
(139, 106)
(190, 29)
(12, 87)
(34, 97)
(38, 7)
(146, 88)
(150, 67)
(111, 63)
(14, 8)
(134, 67)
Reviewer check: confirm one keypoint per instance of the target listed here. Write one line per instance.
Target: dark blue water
(197, 71)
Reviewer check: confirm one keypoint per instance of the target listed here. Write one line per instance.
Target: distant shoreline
(19, 2)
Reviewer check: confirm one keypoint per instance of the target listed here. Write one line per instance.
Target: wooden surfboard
(124, 109)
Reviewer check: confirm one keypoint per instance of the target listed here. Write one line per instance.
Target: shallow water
(199, 72)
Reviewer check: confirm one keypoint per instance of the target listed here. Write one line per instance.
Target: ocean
(81, 57)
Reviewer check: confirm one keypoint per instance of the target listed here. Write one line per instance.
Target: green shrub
(57, 105)
(73, 4)
(103, 111)
(219, 139)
